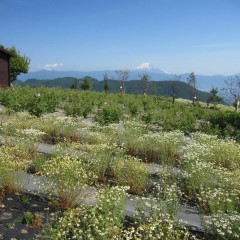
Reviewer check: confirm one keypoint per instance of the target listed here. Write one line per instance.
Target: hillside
(204, 82)
(162, 88)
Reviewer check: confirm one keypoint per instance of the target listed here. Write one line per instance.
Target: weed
(27, 219)
(24, 199)
(10, 225)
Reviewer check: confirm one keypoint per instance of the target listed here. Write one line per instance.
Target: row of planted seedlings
(16, 154)
(144, 146)
(210, 173)
(112, 108)
(95, 165)
(101, 157)
(105, 108)
(213, 173)
(102, 166)
(144, 149)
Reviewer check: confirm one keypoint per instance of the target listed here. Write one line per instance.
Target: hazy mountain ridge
(204, 82)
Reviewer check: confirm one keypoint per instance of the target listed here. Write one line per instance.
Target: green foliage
(226, 123)
(86, 84)
(79, 104)
(7, 180)
(24, 199)
(131, 172)
(134, 108)
(18, 63)
(24, 99)
(63, 173)
(75, 110)
(148, 117)
(109, 114)
(28, 218)
(197, 167)
(160, 148)
(214, 98)
(39, 161)
(74, 85)
(157, 88)
(106, 83)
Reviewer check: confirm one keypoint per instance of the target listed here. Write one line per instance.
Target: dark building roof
(6, 52)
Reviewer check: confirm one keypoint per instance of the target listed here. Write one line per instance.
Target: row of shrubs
(113, 108)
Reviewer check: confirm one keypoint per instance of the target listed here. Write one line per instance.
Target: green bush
(227, 122)
(131, 172)
(109, 114)
(36, 102)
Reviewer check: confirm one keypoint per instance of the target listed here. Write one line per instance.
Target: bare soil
(22, 216)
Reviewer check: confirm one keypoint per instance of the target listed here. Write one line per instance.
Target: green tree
(106, 83)
(86, 84)
(214, 98)
(74, 85)
(18, 63)
(193, 83)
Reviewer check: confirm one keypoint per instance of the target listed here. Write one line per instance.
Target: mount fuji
(148, 67)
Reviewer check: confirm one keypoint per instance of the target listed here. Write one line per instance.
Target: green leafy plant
(28, 218)
(24, 199)
(131, 172)
(109, 114)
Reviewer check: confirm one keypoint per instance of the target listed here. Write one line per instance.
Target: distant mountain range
(204, 82)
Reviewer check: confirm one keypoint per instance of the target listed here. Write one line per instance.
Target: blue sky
(176, 36)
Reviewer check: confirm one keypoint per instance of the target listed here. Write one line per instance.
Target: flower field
(108, 143)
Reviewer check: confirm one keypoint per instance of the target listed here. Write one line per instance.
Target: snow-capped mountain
(144, 66)
(148, 67)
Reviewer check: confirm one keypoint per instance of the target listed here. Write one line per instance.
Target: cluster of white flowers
(225, 226)
(104, 221)
(31, 132)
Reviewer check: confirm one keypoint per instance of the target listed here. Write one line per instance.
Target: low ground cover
(109, 152)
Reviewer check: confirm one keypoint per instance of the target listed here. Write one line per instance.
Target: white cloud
(53, 66)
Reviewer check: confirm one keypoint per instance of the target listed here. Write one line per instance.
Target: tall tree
(106, 83)
(214, 98)
(18, 63)
(173, 85)
(193, 83)
(145, 79)
(122, 76)
(233, 88)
